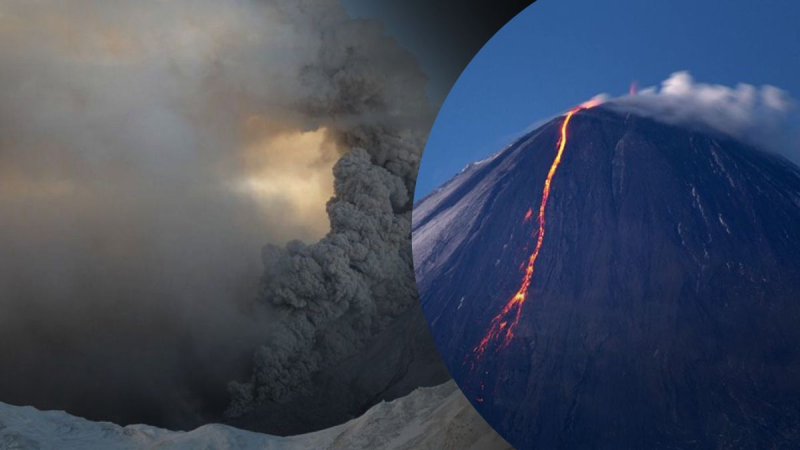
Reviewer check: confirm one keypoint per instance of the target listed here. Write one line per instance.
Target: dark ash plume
(147, 150)
(332, 297)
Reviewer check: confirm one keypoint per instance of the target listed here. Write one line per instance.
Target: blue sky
(558, 53)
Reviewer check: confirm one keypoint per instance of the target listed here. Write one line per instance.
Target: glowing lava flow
(503, 324)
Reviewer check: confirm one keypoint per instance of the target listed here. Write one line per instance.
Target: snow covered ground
(429, 418)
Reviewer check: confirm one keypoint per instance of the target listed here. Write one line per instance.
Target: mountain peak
(661, 301)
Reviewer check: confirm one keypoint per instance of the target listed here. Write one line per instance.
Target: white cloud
(757, 115)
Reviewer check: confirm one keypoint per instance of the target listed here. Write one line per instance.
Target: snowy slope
(443, 219)
(429, 418)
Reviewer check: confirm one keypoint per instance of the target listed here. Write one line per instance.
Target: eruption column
(502, 327)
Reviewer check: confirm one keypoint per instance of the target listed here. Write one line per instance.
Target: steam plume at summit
(758, 115)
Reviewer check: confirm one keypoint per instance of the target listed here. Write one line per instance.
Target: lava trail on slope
(665, 299)
(501, 329)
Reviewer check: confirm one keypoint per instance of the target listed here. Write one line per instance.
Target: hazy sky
(558, 53)
(443, 35)
(148, 150)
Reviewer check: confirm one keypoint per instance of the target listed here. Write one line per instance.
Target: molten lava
(634, 88)
(501, 329)
(528, 215)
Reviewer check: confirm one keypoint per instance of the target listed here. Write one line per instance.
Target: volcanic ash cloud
(148, 149)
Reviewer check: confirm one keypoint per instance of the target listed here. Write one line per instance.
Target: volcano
(663, 308)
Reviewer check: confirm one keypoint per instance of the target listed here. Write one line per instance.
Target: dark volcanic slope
(664, 309)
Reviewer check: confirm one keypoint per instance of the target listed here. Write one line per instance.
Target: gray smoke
(148, 150)
(333, 296)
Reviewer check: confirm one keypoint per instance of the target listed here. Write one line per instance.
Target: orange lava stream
(503, 324)
(528, 215)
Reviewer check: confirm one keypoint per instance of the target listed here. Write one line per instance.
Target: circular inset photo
(621, 271)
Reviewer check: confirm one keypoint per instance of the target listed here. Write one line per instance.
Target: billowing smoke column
(333, 296)
(147, 149)
(336, 294)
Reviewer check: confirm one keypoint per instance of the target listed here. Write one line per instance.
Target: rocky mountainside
(664, 307)
(429, 418)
